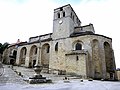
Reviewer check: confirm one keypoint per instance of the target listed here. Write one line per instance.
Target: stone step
(9, 76)
(45, 70)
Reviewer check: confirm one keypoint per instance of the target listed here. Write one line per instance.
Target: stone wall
(7, 56)
(92, 64)
(58, 58)
(76, 63)
(118, 74)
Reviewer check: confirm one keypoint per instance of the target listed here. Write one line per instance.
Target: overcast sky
(21, 19)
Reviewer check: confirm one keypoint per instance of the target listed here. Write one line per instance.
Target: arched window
(78, 46)
(36, 50)
(56, 47)
(14, 54)
(25, 51)
(58, 15)
(63, 14)
(71, 15)
(48, 49)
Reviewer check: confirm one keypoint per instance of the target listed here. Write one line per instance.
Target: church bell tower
(65, 19)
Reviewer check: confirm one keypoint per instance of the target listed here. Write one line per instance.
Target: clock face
(60, 22)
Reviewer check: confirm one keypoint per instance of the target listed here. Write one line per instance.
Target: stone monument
(38, 78)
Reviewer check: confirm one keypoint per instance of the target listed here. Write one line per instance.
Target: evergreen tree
(3, 47)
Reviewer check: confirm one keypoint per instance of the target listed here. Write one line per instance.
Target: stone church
(70, 49)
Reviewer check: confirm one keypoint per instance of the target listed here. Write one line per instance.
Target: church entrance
(12, 61)
(111, 76)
